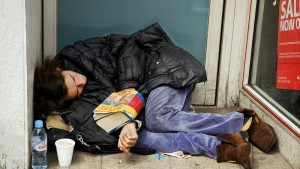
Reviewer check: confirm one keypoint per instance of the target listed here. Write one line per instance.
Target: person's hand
(128, 137)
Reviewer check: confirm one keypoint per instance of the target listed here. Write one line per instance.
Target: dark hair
(49, 89)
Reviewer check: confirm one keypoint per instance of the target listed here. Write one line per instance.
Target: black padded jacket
(144, 60)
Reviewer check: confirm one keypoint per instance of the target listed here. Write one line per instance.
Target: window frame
(252, 90)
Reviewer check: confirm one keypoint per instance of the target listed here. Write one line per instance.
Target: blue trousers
(171, 127)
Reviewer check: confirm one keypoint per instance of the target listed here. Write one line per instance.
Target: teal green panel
(185, 21)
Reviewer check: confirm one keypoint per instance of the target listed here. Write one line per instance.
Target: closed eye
(75, 85)
(73, 78)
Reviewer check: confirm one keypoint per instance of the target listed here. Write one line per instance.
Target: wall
(33, 55)
(20, 46)
(232, 52)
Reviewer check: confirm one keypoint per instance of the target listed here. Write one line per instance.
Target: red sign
(288, 61)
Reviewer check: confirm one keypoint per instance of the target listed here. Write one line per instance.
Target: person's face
(74, 83)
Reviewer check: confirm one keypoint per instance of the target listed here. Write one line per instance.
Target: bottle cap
(38, 123)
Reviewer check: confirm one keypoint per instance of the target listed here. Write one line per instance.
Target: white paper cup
(64, 149)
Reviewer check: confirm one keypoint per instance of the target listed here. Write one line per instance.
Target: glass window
(186, 22)
(264, 62)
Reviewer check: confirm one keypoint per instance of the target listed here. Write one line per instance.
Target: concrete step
(82, 160)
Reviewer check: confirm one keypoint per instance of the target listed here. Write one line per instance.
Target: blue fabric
(170, 127)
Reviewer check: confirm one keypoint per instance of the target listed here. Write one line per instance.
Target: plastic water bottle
(39, 146)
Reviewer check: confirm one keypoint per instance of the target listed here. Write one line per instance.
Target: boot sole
(251, 156)
(273, 141)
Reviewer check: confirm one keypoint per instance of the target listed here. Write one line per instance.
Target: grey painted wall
(20, 48)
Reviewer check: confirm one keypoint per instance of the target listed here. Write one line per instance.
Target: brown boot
(260, 133)
(234, 149)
